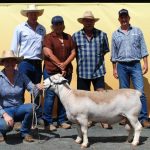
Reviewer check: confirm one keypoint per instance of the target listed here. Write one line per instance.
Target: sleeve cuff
(2, 111)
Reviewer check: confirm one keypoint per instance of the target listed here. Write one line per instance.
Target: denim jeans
(34, 72)
(132, 71)
(21, 113)
(85, 84)
(49, 97)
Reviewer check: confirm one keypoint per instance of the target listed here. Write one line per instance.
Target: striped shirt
(27, 42)
(128, 46)
(90, 54)
(13, 94)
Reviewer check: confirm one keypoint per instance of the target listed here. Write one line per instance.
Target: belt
(129, 62)
(33, 61)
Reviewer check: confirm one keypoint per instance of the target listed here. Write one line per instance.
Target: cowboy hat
(31, 8)
(9, 55)
(87, 15)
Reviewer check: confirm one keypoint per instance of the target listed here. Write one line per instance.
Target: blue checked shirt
(27, 42)
(13, 94)
(128, 46)
(90, 54)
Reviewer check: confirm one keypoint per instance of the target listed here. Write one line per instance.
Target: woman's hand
(39, 86)
(9, 120)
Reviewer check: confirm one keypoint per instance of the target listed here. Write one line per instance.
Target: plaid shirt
(90, 54)
(128, 46)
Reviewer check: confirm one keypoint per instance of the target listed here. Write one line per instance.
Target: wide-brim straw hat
(31, 8)
(9, 55)
(87, 15)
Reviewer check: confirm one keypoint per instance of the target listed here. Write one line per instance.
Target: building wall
(107, 12)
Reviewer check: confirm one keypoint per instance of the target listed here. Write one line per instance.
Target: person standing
(58, 51)
(27, 42)
(128, 48)
(91, 46)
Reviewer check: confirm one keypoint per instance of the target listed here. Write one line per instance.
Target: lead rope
(34, 108)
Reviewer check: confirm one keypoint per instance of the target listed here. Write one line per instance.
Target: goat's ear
(67, 86)
(62, 80)
(46, 83)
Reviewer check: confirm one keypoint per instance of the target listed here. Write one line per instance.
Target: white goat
(109, 106)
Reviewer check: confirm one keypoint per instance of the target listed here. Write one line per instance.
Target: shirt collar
(120, 30)
(4, 76)
(26, 24)
(55, 35)
(94, 32)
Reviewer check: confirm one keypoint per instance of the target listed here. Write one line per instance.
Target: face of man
(88, 24)
(124, 20)
(58, 28)
(32, 17)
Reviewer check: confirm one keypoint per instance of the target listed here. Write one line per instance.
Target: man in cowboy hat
(91, 46)
(12, 107)
(27, 42)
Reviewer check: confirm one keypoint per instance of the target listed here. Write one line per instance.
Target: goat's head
(54, 80)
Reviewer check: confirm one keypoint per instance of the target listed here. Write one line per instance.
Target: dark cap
(57, 19)
(123, 12)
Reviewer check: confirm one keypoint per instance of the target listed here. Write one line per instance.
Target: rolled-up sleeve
(105, 44)
(144, 51)
(32, 88)
(1, 111)
(15, 41)
(113, 50)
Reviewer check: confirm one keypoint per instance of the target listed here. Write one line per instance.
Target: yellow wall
(107, 12)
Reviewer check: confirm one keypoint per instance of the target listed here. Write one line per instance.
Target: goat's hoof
(84, 145)
(78, 140)
(135, 143)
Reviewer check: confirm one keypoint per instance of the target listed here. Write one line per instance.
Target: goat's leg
(79, 137)
(137, 129)
(84, 128)
(130, 129)
(137, 133)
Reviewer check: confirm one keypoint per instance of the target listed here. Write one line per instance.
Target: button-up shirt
(27, 42)
(90, 53)
(62, 50)
(129, 46)
(13, 94)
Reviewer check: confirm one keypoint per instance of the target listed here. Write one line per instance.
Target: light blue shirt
(27, 42)
(13, 94)
(90, 53)
(128, 46)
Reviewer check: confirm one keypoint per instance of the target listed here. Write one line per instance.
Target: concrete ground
(99, 138)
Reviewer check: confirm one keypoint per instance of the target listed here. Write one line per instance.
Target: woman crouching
(12, 108)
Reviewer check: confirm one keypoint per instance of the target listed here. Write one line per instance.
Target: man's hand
(62, 65)
(145, 66)
(145, 69)
(115, 74)
(63, 73)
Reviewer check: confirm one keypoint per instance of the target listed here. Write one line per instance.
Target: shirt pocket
(135, 41)
(81, 46)
(82, 50)
(119, 40)
(26, 36)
